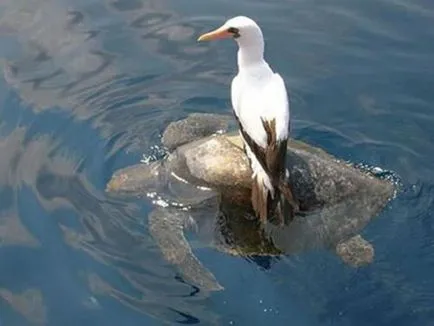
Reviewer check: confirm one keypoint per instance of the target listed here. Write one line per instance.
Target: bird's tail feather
(260, 198)
(287, 206)
(275, 202)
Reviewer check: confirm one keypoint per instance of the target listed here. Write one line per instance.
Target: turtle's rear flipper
(167, 228)
(355, 251)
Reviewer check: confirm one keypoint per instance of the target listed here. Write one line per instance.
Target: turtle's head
(136, 179)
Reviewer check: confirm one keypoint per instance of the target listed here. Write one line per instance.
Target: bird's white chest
(252, 97)
(256, 98)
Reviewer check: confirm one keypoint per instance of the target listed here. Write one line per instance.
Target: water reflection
(13, 232)
(29, 303)
(97, 80)
(111, 232)
(65, 62)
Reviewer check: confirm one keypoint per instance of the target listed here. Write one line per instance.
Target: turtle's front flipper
(167, 228)
(194, 127)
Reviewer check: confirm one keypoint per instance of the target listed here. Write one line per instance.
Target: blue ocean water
(89, 85)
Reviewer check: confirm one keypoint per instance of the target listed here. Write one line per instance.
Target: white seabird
(260, 104)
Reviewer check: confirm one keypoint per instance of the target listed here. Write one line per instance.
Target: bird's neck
(251, 54)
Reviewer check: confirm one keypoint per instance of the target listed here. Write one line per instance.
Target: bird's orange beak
(218, 33)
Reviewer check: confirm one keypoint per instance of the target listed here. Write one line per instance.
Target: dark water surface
(88, 86)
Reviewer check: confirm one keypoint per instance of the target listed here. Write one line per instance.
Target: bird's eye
(234, 31)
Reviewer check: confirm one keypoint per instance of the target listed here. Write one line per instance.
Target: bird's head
(243, 29)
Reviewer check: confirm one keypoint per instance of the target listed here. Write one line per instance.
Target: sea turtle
(204, 183)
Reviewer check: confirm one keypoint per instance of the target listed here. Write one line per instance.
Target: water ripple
(90, 85)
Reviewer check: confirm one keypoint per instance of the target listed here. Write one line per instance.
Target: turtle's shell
(206, 182)
(336, 200)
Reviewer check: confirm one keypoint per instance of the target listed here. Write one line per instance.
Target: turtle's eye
(234, 31)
